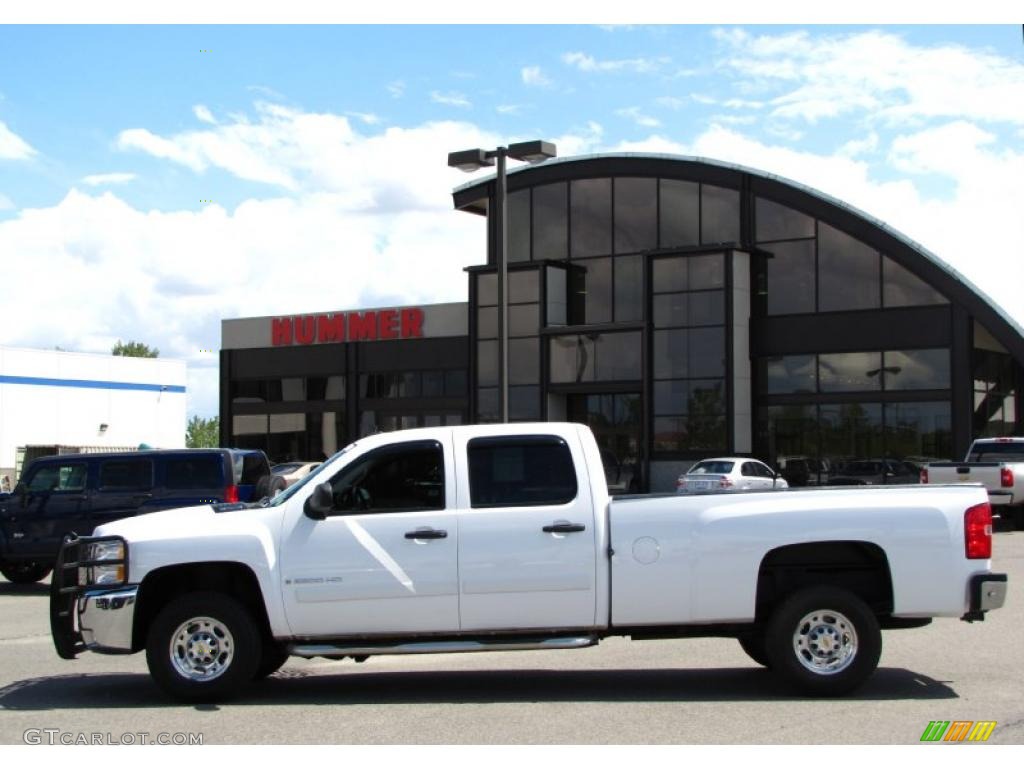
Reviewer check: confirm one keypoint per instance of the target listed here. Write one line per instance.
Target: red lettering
(330, 328)
(412, 323)
(281, 331)
(388, 321)
(305, 329)
(362, 326)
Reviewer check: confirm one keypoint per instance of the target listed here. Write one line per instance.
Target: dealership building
(55, 402)
(682, 308)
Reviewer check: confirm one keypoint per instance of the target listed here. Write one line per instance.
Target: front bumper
(987, 592)
(89, 617)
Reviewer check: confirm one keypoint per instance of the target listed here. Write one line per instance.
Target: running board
(445, 646)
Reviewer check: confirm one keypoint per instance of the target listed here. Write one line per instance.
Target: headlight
(101, 575)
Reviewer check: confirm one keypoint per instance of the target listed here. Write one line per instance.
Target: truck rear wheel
(824, 641)
(26, 572)
(203, 646)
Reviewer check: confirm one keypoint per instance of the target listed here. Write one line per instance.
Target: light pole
(470, 160)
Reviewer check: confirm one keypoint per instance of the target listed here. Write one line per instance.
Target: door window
(400, 478)
(127, 475)
(520, 471)
(58, 477)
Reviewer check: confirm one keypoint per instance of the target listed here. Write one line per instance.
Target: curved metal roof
(464, 194)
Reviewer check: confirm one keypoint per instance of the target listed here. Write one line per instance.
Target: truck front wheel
(203, 646)
(824, 641)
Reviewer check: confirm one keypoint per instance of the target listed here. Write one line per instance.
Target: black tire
(1018, 518)
(277, 484)
(274, 657)
(213, 627)
(262, 488)
(819, 617)
(26, 572)
(754, 646)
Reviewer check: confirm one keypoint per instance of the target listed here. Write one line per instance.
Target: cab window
(520, 471)
(407, 477)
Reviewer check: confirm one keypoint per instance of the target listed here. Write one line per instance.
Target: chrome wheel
(825, 642)
(202, 649)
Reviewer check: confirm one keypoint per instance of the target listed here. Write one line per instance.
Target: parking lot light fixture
(470, 160)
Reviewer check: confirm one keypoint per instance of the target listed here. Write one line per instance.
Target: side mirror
(320, 502)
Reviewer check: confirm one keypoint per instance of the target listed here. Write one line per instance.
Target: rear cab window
(520, 471)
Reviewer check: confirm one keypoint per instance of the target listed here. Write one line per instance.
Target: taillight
(231, 493)
(1006, 477)
(924, 476)
(978, 532)
(725, 482)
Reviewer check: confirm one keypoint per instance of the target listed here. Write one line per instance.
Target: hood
(167, 522)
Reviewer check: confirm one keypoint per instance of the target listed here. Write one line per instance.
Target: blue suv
(58, 495)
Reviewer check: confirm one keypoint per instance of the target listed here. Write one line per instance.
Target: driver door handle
(426, 533)
(564, 528)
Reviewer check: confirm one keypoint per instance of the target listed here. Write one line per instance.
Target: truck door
(526, 533)
(385, 560)
(52, 501)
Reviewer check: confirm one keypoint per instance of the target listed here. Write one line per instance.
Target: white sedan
(729, 474)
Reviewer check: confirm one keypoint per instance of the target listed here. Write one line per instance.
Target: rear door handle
(564, 528)
(426, 533)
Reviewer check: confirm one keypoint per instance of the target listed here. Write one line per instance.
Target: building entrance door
(616, 421)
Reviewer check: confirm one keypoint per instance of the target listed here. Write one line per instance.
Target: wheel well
(165, 584)
(857, 566)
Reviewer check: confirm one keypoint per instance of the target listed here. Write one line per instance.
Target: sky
(155, 180)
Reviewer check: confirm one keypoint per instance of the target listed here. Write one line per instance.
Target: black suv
(58, 495)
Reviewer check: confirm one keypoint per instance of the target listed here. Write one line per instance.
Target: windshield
(282, 497)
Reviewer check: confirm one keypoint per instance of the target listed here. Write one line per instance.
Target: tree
(203, 433)
(133, 349)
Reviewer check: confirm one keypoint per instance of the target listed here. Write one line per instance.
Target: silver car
(729, 474)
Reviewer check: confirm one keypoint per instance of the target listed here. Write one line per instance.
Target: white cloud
(534, 76)
(98, 179)
(6, 204)
(452, 99)
(396, 89)
(12, 146)
(586, 63)
(819, 77)
(855, 147)
(203, 114)
(509, 109)
(670, 102)
(638, 117)
(369, 221)
(366, 117)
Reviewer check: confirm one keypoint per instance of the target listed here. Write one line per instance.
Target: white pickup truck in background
(504, 537)
(995, 462)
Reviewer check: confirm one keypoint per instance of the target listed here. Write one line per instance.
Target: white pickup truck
(995, 462)
(504, 537)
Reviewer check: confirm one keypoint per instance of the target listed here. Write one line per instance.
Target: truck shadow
(298, 687)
